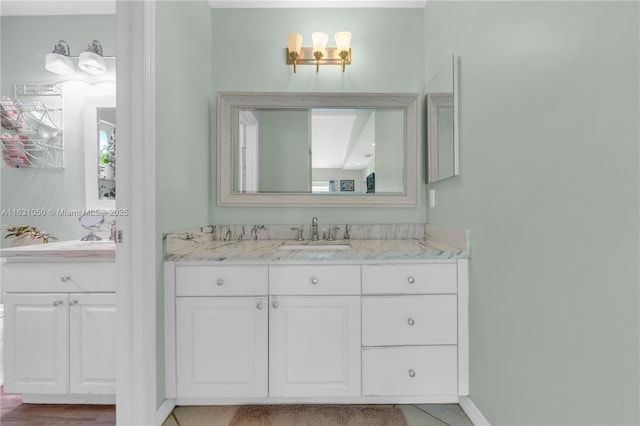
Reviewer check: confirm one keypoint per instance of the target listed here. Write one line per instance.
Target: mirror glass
(100, 150)
(91, 221)
(319, 149)
(106, 124)
(442, 133)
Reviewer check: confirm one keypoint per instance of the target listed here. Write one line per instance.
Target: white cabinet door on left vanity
(61, 343)
(92, 332)
(35, 352)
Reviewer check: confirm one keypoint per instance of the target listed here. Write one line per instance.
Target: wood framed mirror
(285, 149)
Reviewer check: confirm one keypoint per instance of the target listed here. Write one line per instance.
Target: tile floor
(421, 415)
(14, 413)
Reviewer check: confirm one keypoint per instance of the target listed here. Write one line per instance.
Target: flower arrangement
(16, 232)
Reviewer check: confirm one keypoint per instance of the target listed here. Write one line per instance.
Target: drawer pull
(412, 373)
(314, 280)
(220, 281)
(411, 280)
(275, 304)
(57, 302)
(65, 278)
(259, 306)
(73, 302)
(411, 322)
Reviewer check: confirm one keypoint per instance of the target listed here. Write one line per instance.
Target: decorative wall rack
(32, 126)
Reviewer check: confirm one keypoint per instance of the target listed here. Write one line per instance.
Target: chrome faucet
(314, 229)
(298, 233)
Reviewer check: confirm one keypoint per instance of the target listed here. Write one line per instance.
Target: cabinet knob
(220, 281)
(73, 302)
(410, 321)
(275, 304)
(314, 280)
(65, 278)
(259, 306)
(411, 280)
(412, 373)
(57, 302)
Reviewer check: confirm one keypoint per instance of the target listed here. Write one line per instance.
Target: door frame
(136, 383)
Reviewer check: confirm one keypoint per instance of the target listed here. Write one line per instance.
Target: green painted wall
(183, 80)
(549, 186)
(248, 55)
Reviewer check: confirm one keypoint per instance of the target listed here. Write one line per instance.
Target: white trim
(163, 412)
(135, 256)
(39, 398)
(271, 4)
(472, 411)
(463, 327)
(170, 330)
(339, 400)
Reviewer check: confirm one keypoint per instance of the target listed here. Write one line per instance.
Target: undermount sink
(315, 246)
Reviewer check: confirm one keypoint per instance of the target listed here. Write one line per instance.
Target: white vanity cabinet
(323, 331)
(60, 330)
(222, 331)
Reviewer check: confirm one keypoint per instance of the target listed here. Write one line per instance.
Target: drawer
(410, 278)
(409, 320)
(311, 280)
(47, 277)
(418, 370)
(222, 281)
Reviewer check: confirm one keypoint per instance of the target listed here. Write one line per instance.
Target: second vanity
(382, 321)
(60, 322)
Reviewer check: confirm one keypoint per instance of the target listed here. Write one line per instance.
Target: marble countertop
(101, 250)
(269, 250)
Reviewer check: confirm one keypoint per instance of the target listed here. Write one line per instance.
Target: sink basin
(315, 246)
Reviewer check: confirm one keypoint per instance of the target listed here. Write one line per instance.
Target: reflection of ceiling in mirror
(338, 143)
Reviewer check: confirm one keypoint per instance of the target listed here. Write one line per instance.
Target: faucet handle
(332, 232)
(298, 234)
(346, 233)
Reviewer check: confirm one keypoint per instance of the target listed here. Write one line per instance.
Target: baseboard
(42, 398)
(164, 410)
(472, 411)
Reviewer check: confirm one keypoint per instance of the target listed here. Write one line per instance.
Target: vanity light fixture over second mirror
(326, 149)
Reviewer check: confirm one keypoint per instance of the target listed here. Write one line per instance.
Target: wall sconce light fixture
(90, 61)
(319, 54)
(59, 61)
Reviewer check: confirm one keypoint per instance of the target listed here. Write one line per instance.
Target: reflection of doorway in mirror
(248, 153)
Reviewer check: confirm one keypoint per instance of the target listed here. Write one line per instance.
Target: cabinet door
(314, 346)
(36, 345)
(222, 346)
(92, 342)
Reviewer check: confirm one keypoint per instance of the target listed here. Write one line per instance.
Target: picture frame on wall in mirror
(347, 186)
